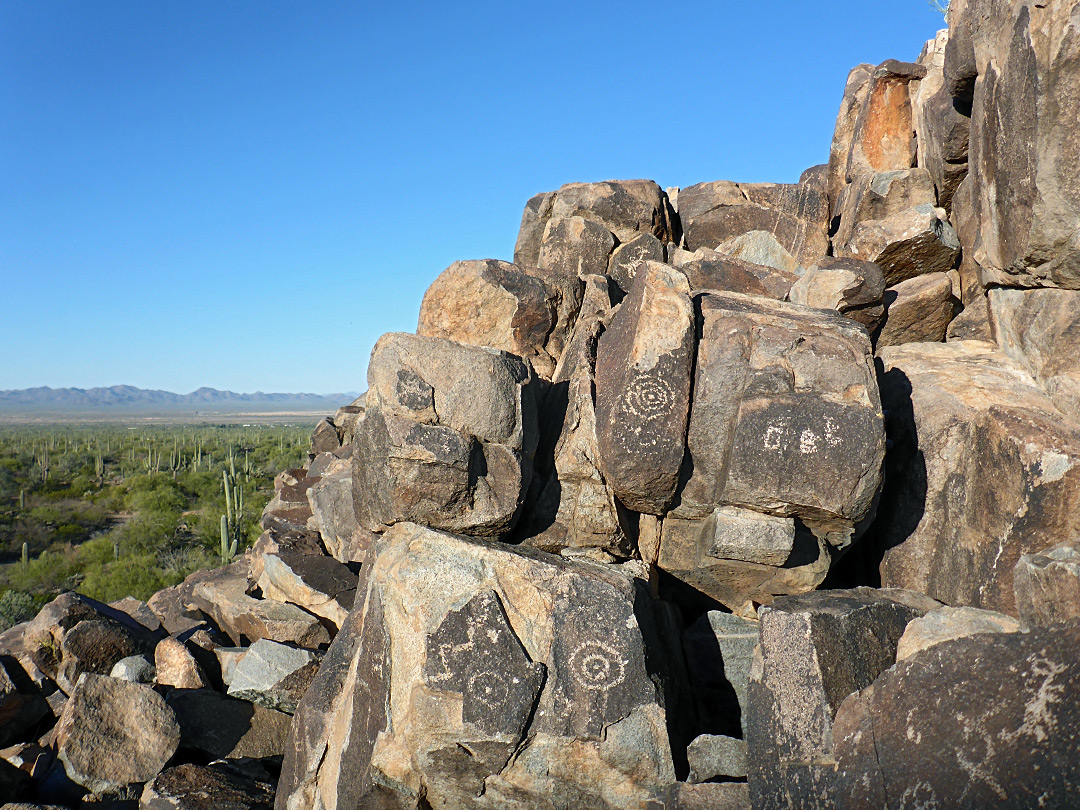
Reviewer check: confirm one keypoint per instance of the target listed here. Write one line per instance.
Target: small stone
(176, 667)
(134, 668)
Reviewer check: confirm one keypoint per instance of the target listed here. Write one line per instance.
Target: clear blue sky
(246, 195)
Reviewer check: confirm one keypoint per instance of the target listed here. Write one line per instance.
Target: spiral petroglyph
(597, 666)
(648, 398)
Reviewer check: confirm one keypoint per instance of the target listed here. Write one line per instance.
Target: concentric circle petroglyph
(597, 666)
(648, 398)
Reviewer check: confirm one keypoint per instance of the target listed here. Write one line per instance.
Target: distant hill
(128, 398)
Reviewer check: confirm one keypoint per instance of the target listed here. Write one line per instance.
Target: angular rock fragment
(1047, 585)
(707, 269)
(176, 667)
(764, 249)
(628, 256)
(333, 514)
(572, 247)
(883, 137)
(223, 727)
(492, 645)
(853, 288)
(879, 196)
(319, 584)
(815, 650)
(447, 439)
(195, 787)
(946, 527)
(325, 438)
(948, 623)
(115, 733)
(134, 668)
(289, 508)
(503, 306)
(643, 364)
(95, 645)
(624, 207)
(856, 89)
(21, 704)
(274, 675)
(714, 756)
(533, 219)
(911, 243)
(919, 310)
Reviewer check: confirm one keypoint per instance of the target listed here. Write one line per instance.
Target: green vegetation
(114, 511)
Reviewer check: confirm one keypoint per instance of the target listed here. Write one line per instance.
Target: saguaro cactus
(231, 530)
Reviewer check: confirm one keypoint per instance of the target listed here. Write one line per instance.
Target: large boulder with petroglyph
(503, 306)
(643, 363)
(984, 469)
(784, 449)
(447, 439)
(477, 675)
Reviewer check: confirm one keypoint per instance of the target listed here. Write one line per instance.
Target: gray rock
(719, 649)
(571, 677)
(447, 439)
(274, 675)
(1047, 585)
(139, 611)
(331, 502)
(815, 650)
(853, 288)
(115, 733)
(942, 123)
(918, 310)
(135, 668)
(643, 363)
(325, 438)
(714, 756)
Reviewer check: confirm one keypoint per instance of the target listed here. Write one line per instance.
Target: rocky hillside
(730, 496)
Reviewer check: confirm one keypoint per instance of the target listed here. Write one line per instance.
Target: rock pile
(739, 495)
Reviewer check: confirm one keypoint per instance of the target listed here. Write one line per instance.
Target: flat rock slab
(947, 623)
(316, 583)
(274, 675)
(492, 645)
(115, 733)
(223, 727)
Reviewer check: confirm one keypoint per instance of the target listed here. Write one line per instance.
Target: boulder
(918, 310)
(115, 733)
(815, 650)
(945, 527)
(325, 438)
(447, 439)
(223, 594)
(786, 425)
(714, 756)
(1040, 330)
(134, 668)
(911, 243)
(573, 246)
(947, 623)
(856, 90)
(628, 257)
(223, 727)
(1019, 63)
(883, 137)
(95, 645)
(318, 584)
(491, 646)
(533, 220)
(710, 796)
(942, 123)
(795, 214)
(1047, 585)
(274, 675)
(332, 512)
(762, 248)
(1005, 733)
(853, 288)
(626, 208)
(195, 787)
(139, 611)
(289, 508)
(503, 306)
(347, 417)
(643, 363)
(881, 195)
(707, 269)
(169, 607)
(176, 667)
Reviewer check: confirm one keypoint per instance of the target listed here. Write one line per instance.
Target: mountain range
(130, 398)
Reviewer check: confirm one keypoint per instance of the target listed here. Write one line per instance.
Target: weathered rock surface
(334, 517)
(624, 207)
(945, 526)
(643, 363)
(882, 139)
(942, 123)
(325, 438)
(879, 196)
(201, 787)
(714, 756)
(815, 650)
(919, 310)
(853, 288)
(115, 733)
(95, 645)
(447, 439)
(1040, 330)
(911, 243)
(761, 248)
(719, 649)
(574, 246)
(319, 584)
(947, 623)
(628, 257)
(707, 269)
(176, 667)
(274, 675)
(795, 214)
(456, 653)
(856, 89)
(1047, 585)
(503, 306)
(21, 704)
(1006, 733)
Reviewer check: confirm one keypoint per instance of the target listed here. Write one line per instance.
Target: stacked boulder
(737, 495)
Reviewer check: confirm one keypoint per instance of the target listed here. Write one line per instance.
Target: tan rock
(1047, 585)
(947, 623)
(918, 310)
(176, 667)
